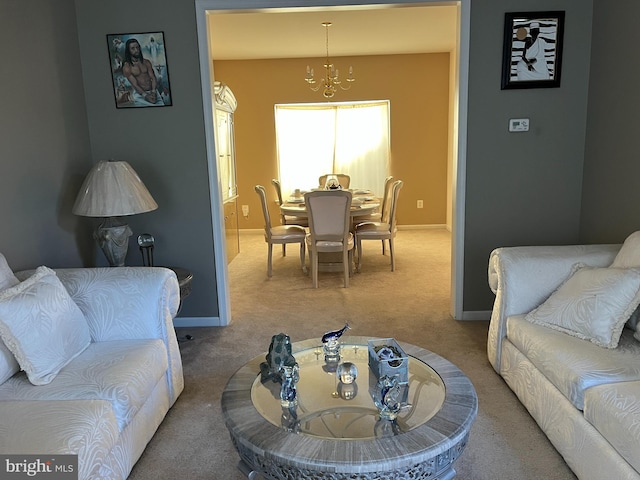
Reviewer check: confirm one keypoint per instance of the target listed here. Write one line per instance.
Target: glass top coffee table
(335, 431)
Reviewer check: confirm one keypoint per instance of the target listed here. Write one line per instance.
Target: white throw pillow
(593, 304)
(7, 278)
(8, 364)
(42, 326)
(629, 254)
(629, 257)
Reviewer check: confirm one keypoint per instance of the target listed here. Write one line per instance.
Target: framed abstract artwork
(532, 51)
(139, 69)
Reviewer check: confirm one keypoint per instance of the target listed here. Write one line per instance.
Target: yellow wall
(418, 89)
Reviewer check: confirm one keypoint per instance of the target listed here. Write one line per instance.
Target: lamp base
(113, 237)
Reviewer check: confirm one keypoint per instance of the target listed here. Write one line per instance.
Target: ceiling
(295, 33)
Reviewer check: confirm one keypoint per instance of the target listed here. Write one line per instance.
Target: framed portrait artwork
(139, 70)
(532, 52)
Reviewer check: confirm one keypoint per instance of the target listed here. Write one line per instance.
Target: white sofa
(585, 397)
(109, 397)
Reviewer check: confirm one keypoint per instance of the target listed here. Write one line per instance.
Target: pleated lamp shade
(113, 189)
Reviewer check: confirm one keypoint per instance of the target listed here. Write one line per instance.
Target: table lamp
(113, 189)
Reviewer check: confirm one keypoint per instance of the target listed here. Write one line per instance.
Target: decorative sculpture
(388, 396)
(278, 356)
(330, 342)
(290, 374)
(386, 357)
(347, 372)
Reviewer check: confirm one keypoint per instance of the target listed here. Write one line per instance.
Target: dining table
(364, 202)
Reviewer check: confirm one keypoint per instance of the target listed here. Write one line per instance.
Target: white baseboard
(424, 227)
(197, 322)
(476, 315)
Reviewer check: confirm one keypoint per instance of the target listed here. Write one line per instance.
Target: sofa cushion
(42, 326)
(84, 427)
(123, 372)
(615, 412)
(572, 364)
(593, 304)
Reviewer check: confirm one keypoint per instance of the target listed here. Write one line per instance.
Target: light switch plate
(518, 124)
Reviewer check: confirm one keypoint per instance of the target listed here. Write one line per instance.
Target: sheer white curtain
(315, 139)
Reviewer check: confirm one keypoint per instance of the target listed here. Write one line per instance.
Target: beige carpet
(410, 304)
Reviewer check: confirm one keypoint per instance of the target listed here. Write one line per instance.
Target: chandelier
(331, 82)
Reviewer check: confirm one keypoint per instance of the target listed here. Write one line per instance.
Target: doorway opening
(457, 126)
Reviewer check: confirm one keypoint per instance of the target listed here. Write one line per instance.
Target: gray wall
(611, 193)
(44, 138)
(166, 146)
(521, 188)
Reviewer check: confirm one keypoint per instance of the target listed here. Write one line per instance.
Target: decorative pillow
(42, 326)
(593, 304)
(7, 278)
(629, 257)
(629, 254)
(8, 364)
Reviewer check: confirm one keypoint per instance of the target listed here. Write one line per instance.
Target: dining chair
(383, 230)
(281, 234)
(377, 216)
(329, 221)
(287, 219)
(343, 179)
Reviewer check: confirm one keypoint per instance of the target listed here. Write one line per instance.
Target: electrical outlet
(420, 204)
(245, 210)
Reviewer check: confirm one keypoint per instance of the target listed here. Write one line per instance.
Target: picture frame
(139, 70)
(532, 50)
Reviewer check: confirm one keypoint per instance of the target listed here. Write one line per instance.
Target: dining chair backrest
(276, 184)
(278, 187)
(329, 214)
(395, 193)
(384, 208)
(343, 179)
(265, 208)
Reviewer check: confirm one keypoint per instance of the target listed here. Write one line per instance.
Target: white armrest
(523, 277)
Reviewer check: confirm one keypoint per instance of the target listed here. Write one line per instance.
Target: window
(315, 139)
